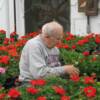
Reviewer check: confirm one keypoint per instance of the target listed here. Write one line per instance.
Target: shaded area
(38, 12)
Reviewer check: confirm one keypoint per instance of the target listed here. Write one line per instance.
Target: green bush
(56, 88)
(2, 36)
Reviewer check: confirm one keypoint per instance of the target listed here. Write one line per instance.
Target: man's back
(36, 55)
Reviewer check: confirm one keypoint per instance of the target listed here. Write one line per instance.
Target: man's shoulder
(34, 42)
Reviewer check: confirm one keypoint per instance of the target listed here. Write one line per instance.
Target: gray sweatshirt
(38, 61)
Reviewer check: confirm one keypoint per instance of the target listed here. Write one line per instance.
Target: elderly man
(39, 58)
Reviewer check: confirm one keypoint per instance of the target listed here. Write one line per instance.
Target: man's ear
(47, 36)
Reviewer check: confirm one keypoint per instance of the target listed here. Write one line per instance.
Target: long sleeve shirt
(38, 61)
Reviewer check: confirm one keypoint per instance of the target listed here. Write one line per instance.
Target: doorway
(38, 12)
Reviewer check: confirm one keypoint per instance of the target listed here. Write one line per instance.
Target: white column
(20, 26)
(3, 24)
(2, 14)
(10, 14)
(7, 16)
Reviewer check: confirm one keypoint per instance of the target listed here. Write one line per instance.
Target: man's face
(54, 40)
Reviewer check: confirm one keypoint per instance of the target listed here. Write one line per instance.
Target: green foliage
(70, 57)
(89, 66)
(2, 36)
(89, 46)
(85, 64)
(74, 90)
(2, 78)
(13, 70)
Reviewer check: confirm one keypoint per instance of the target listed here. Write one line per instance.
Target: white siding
(79, 20)
(20, 27)
(7, 16)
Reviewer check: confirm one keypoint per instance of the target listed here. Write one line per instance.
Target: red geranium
(41, 98)
(2, 96)
(2, 31)
(88, 80)
(65, 98)
(75, 78)
(73, 46)
(13, 93)
(40, 82)
(86, 53)
(59, 90)
(32, 90)
(90, 91)
(66, 46)
(5, 59)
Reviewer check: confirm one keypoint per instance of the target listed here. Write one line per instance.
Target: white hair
(51, 28)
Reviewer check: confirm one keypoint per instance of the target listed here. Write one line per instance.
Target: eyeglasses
(59, 38)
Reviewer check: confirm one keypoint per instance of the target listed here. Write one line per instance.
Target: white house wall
(7, 20)
(3, 17)
(79, 21)
(20, 26)
(95, 23)
(7, 16)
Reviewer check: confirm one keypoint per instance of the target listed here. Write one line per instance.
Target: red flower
(59, 90)
(11, 39)
(88, 80)
(41, 98)
(32, 90)
(59, 45)
(41, 82)
(6, 41)
(97, 40)
(65, 98)
(80, 42)
(3, 48)
(12, 34)
(20, 43)
(75, 78)
(85, 40)
(66, 46)
(68, 38)
(90, 35)
(73, 46)
(90, 91)
(2, 96)
(3, 31)
(13, 93)
(13, 52)
(86, 53)
(33, 82)
(94, 59)
(5, 59)
(11, 46)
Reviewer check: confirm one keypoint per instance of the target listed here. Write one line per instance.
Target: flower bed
(83, 52)
(55, 88)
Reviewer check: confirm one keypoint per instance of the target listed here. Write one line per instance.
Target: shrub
(56, 88)
(2, 36)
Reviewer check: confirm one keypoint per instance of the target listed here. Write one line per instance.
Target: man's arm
(38, 67)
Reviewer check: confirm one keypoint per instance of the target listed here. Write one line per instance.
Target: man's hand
(71, 70)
